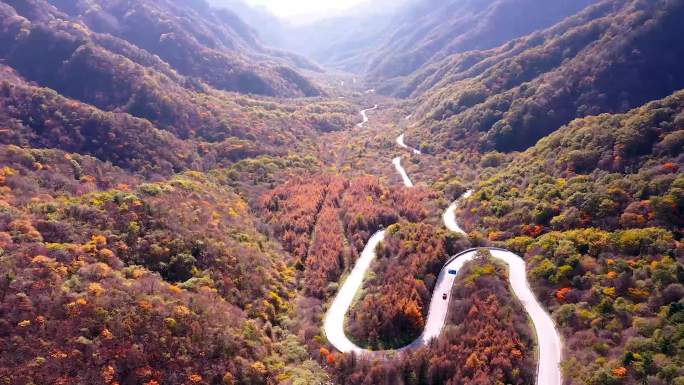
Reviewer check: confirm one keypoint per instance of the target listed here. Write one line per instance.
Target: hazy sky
(293, 8)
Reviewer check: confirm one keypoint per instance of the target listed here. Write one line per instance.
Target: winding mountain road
(333, 325)
(365, 117)
(400, 142)
(400, 169)
(449, 216)
(548, 338)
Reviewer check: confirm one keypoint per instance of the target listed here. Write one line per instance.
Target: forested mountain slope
(471, 64)
(607, 171)
(123, 257)
(610, 58)
(179, 204)
(268, 27)
(388, 40)
(190, 37)
(596, 208)
(86, 73)
(165, 128)
(106, 278)
(430, 30)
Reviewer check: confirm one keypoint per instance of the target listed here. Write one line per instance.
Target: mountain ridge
(181, 195)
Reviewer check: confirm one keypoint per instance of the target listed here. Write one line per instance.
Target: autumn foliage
(394, 307)
(486, 341)
(594, 281)
(326, 221)
(106, 279)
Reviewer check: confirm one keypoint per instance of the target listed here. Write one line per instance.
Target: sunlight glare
(294, 8)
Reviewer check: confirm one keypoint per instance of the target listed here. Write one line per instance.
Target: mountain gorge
(188, 191)
(106, 84)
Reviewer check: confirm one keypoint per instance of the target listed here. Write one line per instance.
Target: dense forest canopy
(187, 186)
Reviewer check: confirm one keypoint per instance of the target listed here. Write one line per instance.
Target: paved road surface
(365, 117)
(400, 142)
(449, 216)
(333, 325)
(400, 169)
(548, 338)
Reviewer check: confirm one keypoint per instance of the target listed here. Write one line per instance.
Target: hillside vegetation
(196, 41)
(608, 171)
(427, 31)
(596, 208)
(106, 278)
(592, 63)
(486, 341)
(396, 297)
(180, 203)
